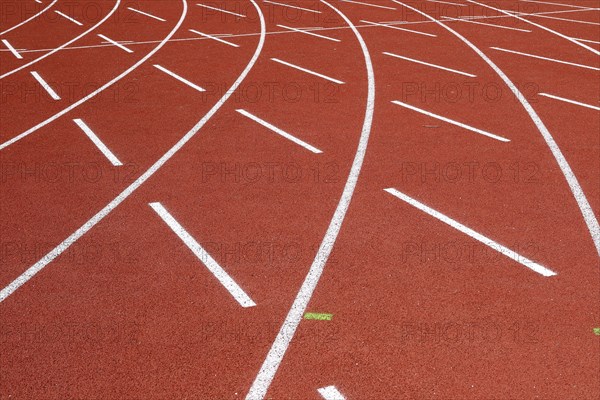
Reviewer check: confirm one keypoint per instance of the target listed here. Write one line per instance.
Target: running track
(337, 199)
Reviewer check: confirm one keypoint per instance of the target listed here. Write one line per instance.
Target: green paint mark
(318, 316)
(597, 331)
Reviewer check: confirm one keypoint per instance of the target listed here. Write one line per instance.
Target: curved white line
(29, 19)
(63, 45)
(585, 46)
(48, 258)
(582, 202)
(269, 368)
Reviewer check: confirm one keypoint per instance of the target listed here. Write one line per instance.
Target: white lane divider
(73, 20)
(540, 269)
(570, 101)
(206, 35)
(30, 18)
(45, 85)
(308, 32)
(222, 276)
(330, 393)
(430, 65)
(577, 21)
(291, 6)
(545, 58)
(448, 2)
(552, 3)
(279, 131)
(221, 10)
(119, 45)
(397, 28)
(368, 4)
(12, 49)
(308, 71)
(96, 140)
(471, 21)
(179, 78)
(146, 14)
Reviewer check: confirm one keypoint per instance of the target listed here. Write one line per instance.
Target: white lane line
(430, 65)
(540, 269)
(119, 45)
(100, 215)
(147, 14)
(330, 393)
(69, 18)
(290, 6)
(451, 121)
(568, 20)
(12, 49)
(179, 78)
(45, 85)
(308, 71)
(554, 4)
(221, 10)
(578, 193)
(96, 140)
(273, 360)
(222, 276)
(309, 33)
(485, 24)
(213, 38)
(279, 131)
(368, 4)
(586, 40)
(546, 58)
(448, 2)
(397, 28)
(38, 1)
(570, 101)
(30, 18)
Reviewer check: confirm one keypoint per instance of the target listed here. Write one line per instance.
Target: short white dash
(45, 85)
(546, 58)
(570, 101)
(222, 10)
(451, 121)
(430, 65)
(448, 2)
(96, 140)
(38, 1)
(470, 21)
(308, 71)
(119, 45)
(330, 393)
(69, 18)
(146, 14)
(279, 131)
(368, 4)
(307, 32)
(12, 49)
(179, 78)
(222, 276)
(398, 28)
(540, 269)
(206, 35)
(291, 6)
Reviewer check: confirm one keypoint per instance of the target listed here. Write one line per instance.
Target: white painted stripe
(45, 85)
(147, 14)
(69, 18)
(485, 24)
(119, 45)
(279, 131)
(540, 269)
(368, 4)
(30, 18)
(222, 276)
(451, 121)
(96, 140)
(430, 65)
(578, 194)
(397, 28)
(38, 1)
(448, 2)
(286, 333)
(567, 19)
(221, 10)
(308, 71)
(179, 78)
(290, 6)
(330, 393)
(554, 4)
(12, 49)
(586, 40)
(213, 38)
(69, 241)
(570, 101)
(306, 32)
(546, 58)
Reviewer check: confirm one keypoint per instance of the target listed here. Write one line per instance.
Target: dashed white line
(430, 65)
(96, 140)
(546, 58)
(397, 28)
(448, 2)
(540, 269)
(451, 121)
(485, 24)
(309, 33)
(368, 4)
(147, 14)
(206, 35)
(279, 131)
(45, 85)
(179, 78)
(68, 18)
(291, 6)
(308, 71)
(570, 101)
(552, 3)
(330, 393)
(119, 45)
(12, 49)
(221, 10)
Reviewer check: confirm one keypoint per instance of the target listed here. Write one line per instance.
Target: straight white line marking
(290, 6)
(309, 33)
(554, 4)
(12, 49)
(330, 393)
(568, 20)
(546, 58)
(397, 28)
(96, 140)
(119, 45)
(221, 10)
(570, 101)
(286, 333)
(540, 269)
(586, 40)
(147, 14)
(430, 65)
(485, 24)
(279, 131)
(222, 276)
(451, 121)
(213, 38)
(447, 2)
(179, 78)
(69, 18)
(45, 85)
(30, 18)
(38, 1)
(308, 71)
(368, 4)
